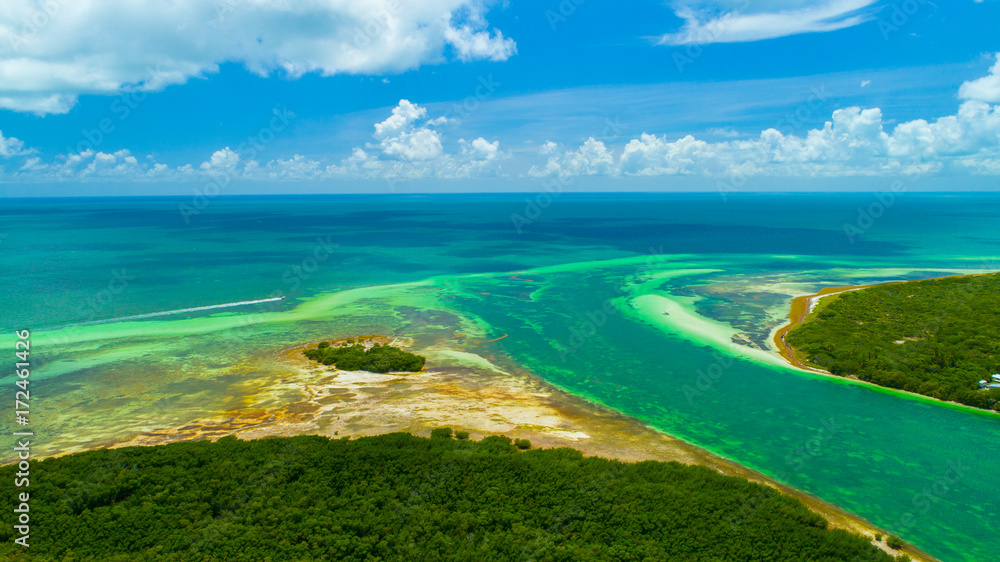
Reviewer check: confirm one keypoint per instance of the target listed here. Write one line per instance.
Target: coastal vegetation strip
(400, 497)
(936, 337)
(800, 309)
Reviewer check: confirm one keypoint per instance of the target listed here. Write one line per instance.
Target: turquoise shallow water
(578, 314)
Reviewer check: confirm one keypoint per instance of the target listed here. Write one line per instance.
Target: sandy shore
(800, 309)
(466, 391)
(803, 305)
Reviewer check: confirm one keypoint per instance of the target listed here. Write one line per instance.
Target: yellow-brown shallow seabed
(483, 402)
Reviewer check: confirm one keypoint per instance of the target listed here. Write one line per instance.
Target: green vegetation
(938, 337)
(377, 359)
(894, 542)
(441, 433)
(399, 498)
(461, 435)
(522, 444)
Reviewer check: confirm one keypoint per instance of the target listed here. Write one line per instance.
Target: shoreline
(470, 392)
(802, 306)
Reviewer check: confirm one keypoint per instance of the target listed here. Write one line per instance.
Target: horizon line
(724, 195)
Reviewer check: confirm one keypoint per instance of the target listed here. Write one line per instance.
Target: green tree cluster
(937, 337)
(376, 359)
(441, 433)
(398, 497)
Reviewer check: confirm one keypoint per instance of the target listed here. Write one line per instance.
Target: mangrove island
(935, 337)
(365, 354)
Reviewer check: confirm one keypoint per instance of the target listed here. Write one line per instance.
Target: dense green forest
(937, 337)
(404, 498)
(377, 359)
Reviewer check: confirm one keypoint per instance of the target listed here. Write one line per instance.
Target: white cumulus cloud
(592, 158)
(854, 142)
(10, 146)
(94, 165)
(986, 88)
(225, 159)
(411, 145)
(52, 52)
(406, 145)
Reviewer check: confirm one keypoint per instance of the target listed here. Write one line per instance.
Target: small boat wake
(170, 313)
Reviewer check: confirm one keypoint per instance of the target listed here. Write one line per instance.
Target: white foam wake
(172, 312)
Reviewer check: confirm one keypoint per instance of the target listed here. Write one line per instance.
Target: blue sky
(468, 95)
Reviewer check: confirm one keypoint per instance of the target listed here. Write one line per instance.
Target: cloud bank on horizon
(853, 143)
(46, 66)
(409, 144)
(406, 145)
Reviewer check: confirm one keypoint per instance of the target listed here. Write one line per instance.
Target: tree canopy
(401, 498)
(937, 337)
(375, 359)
